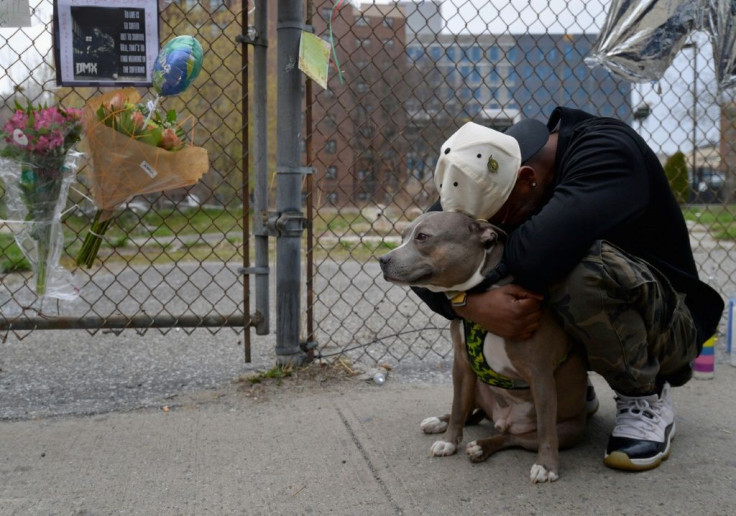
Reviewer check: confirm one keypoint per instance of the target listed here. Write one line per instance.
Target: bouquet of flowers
(37, 165)
(134, 150)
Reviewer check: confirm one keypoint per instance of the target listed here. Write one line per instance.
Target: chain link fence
(403, 76)
(169, 259)
(406, 75)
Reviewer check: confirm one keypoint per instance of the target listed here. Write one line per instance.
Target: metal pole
(695, 108)
(309, 128)
(694, 46)
(260, 166)
(290, 220)
(246, 189)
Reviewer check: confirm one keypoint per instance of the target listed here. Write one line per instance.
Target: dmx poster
(105, 42)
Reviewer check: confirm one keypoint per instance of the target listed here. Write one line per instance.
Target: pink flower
(169, 139)
(40, 131)
(117, 103)
(48, 118)
(74, 113)
(138, 120)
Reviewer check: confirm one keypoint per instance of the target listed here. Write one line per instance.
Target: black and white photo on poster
(101, 43)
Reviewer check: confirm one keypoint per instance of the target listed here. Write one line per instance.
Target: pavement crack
(367, 459)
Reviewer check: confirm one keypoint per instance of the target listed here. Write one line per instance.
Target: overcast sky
(518, 16)
(669, 127)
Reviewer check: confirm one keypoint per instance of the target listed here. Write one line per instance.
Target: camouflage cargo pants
(635, 327)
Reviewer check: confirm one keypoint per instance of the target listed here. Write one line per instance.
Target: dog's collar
(474, 337)
(459, 297)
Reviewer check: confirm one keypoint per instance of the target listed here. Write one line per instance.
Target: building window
(363, 175)
(387, 22)
(362, 42)
(361, 87)
(475, 54)
(362, 196)
(362, 21)
(331, 147)
(415, 53)
(326, 13)
(332, 197)
(366, 131)
(331, 172)
(388, 43)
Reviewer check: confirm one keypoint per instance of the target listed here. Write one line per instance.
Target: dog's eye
(422, 236)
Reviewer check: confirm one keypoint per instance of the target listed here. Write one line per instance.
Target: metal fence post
(260, 167)
(290, 221)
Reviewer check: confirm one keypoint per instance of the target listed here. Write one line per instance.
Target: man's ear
(527, 176)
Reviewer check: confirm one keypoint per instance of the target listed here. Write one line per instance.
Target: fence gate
(169, 260)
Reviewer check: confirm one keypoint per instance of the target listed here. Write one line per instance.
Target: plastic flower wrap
(135, 150)
(37, 165)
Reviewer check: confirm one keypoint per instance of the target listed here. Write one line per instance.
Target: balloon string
(332, 41)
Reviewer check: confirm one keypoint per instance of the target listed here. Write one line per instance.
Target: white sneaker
(645, 427)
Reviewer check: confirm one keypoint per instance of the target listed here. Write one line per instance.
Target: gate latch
(287, 223)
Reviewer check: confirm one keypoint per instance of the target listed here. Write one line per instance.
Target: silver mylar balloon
(640, 38)
(721, 23)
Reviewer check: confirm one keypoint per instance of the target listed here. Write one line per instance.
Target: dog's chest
(494, 350)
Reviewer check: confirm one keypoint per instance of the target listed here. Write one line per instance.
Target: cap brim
(531, 136)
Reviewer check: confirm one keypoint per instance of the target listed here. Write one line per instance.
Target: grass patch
(277, 373)
(11, 257)
(132, 238)
(718, 219)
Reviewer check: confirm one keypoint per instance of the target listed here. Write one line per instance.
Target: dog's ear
(502, 235)
(488, 233)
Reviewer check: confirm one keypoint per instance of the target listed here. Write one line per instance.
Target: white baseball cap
(477, 167)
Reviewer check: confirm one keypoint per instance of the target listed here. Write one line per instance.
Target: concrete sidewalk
(339, 445)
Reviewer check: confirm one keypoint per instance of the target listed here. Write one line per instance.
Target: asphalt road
(51, 373)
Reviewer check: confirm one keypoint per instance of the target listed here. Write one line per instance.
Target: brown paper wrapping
(123, 166)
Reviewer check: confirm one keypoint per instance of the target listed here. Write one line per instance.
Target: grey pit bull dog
(541, 401)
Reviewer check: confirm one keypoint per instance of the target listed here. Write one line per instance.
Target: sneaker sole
(619, 460)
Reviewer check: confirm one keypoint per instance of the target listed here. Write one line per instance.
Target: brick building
(359, 123)
(408, 85)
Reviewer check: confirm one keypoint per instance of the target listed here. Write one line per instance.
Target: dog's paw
(541, 474)
(442, 449)
(475, 452)
(433, 425)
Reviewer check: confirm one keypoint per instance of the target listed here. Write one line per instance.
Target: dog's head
(442, 250)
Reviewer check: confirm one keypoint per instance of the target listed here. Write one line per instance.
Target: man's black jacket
(608, 185)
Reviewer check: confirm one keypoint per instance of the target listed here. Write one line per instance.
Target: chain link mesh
(169, 259)
(403, 77)
(410, 73)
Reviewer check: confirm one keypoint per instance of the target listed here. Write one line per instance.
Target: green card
(314, 58)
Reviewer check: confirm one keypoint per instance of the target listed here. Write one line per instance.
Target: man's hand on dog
(511, 311)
